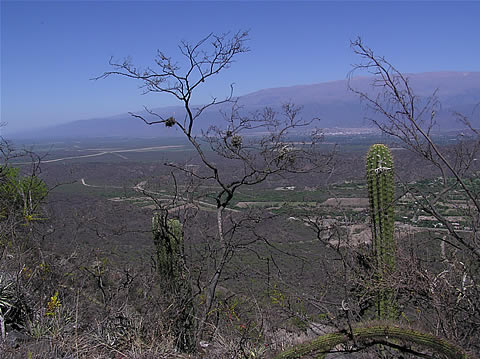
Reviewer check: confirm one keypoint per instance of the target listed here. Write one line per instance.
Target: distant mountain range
(332, 102)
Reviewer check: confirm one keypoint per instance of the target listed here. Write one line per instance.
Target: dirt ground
(346, 202)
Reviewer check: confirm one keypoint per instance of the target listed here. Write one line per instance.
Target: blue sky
(51, 50)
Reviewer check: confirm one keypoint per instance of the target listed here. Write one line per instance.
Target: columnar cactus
(168, 240)
(322, 345)
(381, 190)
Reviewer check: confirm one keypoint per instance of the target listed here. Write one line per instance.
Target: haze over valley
(332, 102)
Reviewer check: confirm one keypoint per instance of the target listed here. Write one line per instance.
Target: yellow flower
(53, 305)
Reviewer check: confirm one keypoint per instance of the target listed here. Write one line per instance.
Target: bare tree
(258, 145)
(451, 287)
(410, 119)
(437, 281)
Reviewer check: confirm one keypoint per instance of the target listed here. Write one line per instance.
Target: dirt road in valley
(140, 187)
(112, 152)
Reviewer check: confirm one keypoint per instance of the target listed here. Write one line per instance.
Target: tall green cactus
(381, 190)
(386, 332)
(168, 240)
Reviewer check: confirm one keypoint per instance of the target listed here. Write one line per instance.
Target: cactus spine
(381, 190)
(168, 240)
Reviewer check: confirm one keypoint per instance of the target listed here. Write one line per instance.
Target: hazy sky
(51, 50)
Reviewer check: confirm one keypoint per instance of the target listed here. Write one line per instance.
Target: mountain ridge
(331, 101)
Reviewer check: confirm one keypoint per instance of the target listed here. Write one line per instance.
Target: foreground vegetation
(269, 298)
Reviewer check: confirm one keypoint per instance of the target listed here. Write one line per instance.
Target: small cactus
(381, 190)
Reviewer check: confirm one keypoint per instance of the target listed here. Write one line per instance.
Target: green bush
(20, 196)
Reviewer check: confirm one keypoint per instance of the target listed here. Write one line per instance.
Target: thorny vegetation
(245, 291)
